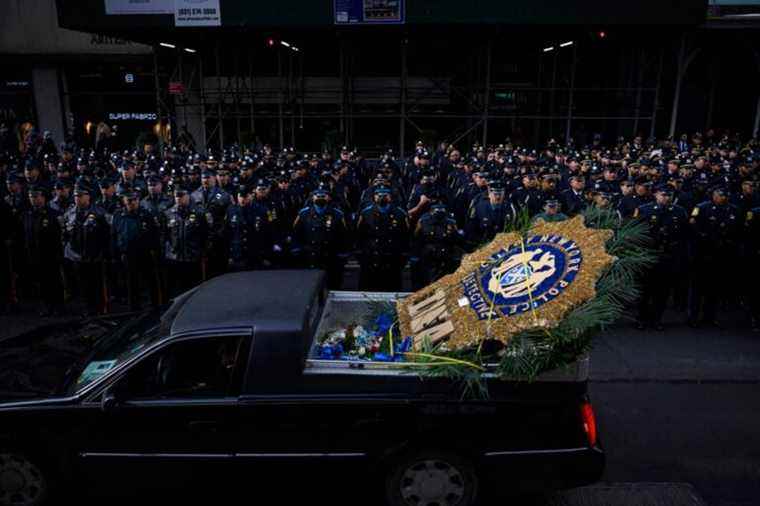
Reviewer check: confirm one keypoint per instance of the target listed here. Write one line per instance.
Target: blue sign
(514, 280)
(369, 12)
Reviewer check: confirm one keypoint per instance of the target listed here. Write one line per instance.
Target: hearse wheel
(431, 479)
(22, 482)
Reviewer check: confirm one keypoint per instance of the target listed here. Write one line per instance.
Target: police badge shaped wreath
(530, 299)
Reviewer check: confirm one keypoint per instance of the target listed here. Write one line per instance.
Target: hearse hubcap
(432, 483)
(21, 482)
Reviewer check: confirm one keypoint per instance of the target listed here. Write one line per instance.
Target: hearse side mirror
(109, 402)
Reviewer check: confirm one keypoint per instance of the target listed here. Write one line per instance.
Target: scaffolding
(229, 96)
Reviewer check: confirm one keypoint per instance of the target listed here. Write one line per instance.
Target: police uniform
(239, 233)
(435, 246)
(214, 201)
(136, 243)
(530, 200)
(716, 232)
(383, 237)
(573, 202)
(320, 241)
(44, 253)
(485, 220)
(185, 244)
(17, 204)
(752, 262)
(266, 233)
(668, 229)
(86, 239)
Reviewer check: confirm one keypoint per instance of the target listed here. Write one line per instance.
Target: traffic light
(271, 42)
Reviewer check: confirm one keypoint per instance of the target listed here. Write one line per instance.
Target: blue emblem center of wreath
(523, 277)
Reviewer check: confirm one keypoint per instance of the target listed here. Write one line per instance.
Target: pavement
(681, 406)
(678, 411)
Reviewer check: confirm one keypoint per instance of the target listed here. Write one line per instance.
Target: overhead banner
(119, 7)
(197, 13)
(369, 12)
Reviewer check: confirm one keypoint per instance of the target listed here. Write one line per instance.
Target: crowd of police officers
(119, 226)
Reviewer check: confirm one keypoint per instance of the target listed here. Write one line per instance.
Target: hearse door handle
(203, 426)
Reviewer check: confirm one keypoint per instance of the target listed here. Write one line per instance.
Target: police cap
(36, 190)
(664, 188)
(81, 189)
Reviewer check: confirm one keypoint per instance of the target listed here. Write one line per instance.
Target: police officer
(752, 257)
(572, 198)
(185, 244)
(156, 202)
(136, 242)
(239, 231)
(62, 199)
(629, 200)
(86, 239)
(42, 233)
(320, 238)
(668, 228)
(266, 227)
(17, 203)
(715, 224)
(528, 198)
(214, 201)
(423, 195)
(383, 236)
(108, 200)
(435, 245)
(551, 212)
(489, 216)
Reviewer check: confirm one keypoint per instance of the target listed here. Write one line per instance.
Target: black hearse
(224, 377)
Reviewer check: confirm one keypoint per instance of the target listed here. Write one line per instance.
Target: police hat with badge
(37, 190)
(81, 188)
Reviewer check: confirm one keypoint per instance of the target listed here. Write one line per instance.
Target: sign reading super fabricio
(197, 13)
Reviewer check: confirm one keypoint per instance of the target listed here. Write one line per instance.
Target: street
(678, 413)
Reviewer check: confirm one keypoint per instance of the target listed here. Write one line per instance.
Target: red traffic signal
(271, 42)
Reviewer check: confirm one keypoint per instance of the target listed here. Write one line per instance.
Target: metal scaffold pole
(487, 94)
(402, 119)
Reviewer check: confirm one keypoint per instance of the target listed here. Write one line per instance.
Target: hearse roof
(277, 300)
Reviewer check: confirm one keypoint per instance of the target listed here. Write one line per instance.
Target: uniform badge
(328, 223)
(548, 267)
(192, 218)
(749, 215)
(695, 212)
(45, 222)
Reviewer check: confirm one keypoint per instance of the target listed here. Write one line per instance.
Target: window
(194, 369)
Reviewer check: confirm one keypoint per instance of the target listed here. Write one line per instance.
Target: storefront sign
(132, 116)
(176, 88)
(118, 7)
(197, 13)
(349, 12)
